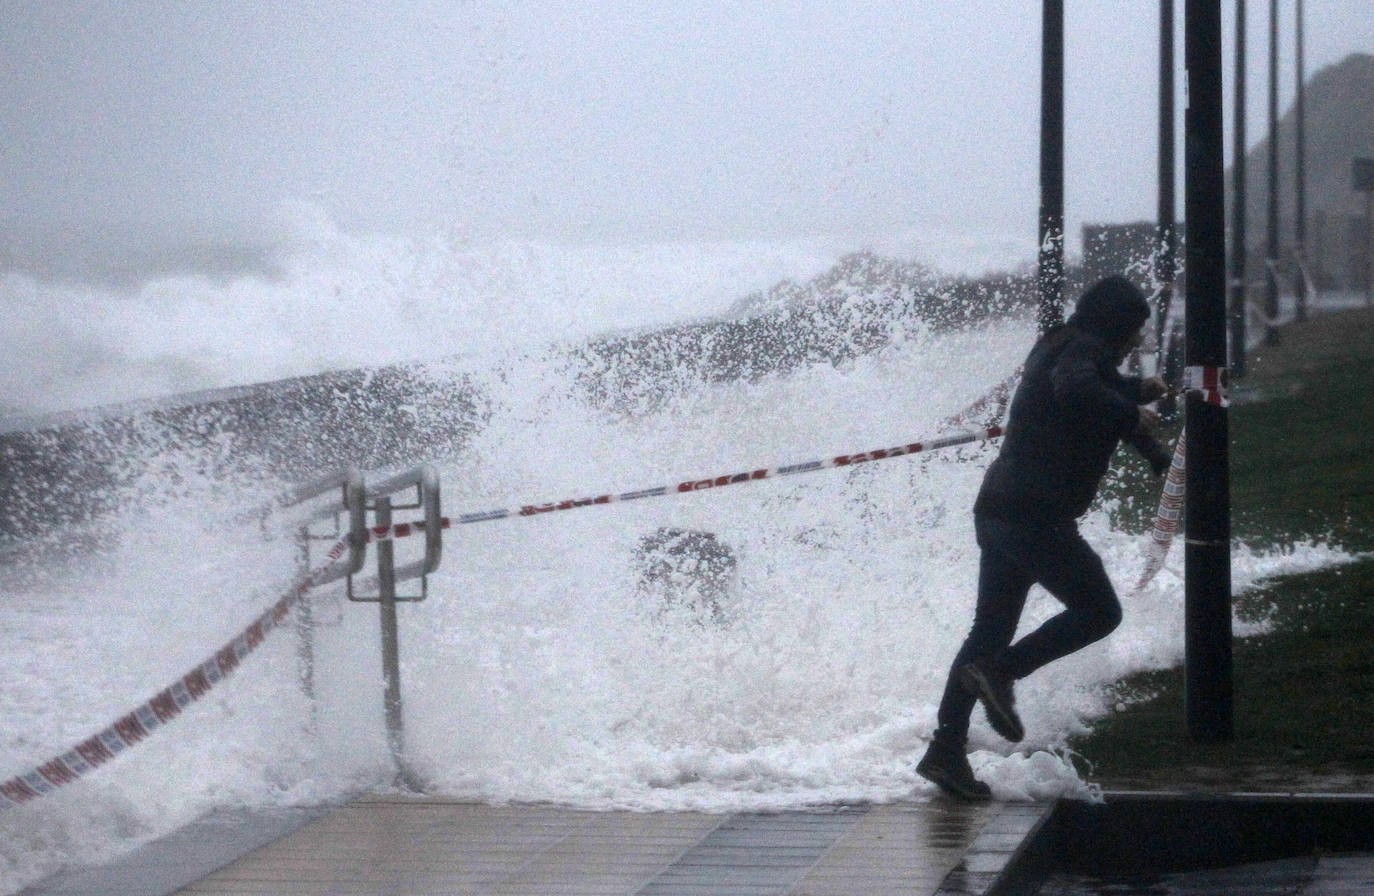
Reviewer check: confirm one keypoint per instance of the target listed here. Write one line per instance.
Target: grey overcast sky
(599, 119)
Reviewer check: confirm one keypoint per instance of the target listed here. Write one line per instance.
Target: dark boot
(994, 687)
(945, 764)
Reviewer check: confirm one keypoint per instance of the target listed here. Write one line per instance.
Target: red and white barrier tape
(1166, 517)
(132, 728)
(382, 533)
(1211, 382)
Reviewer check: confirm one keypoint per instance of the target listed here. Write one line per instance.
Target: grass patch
(1300, 463)
(1304, 692)
(1304, 699)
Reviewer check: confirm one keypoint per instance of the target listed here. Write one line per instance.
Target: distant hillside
(1339, 101)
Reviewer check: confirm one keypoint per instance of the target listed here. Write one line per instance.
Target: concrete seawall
(67, 470)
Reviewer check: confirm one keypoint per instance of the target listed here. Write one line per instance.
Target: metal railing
(349, 514)
(349, 484)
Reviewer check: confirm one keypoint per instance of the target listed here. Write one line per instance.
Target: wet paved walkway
(428, 847)
(379, 845)
(397, 846)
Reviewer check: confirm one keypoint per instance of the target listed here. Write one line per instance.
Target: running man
(1069, 413)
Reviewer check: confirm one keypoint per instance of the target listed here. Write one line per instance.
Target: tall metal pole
(1167, 247)
(1207, 550)
(1300, 181)
(1271, 300)
(1051, 267)
(1238, 203)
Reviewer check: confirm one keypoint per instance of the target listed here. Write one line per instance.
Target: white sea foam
(538, 669)
(346, 301)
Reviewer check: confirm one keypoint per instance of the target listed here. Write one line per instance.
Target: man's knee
(1104, 618)
(1095, 601)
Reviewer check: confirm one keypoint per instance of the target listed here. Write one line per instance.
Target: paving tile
(754, 853)
(894, 849)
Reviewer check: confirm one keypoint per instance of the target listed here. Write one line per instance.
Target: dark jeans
(1017, 555)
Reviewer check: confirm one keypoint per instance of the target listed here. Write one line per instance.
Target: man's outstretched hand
(1152, 389)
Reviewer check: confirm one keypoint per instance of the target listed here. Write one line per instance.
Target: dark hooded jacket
(1069, 412)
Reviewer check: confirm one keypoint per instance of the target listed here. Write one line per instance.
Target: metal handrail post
(426, 482)
(355, 502)
(391, 644)
(351, 501)
(305, 633)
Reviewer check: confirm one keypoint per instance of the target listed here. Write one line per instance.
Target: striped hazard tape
(1210, 383)
(1166, 517)
(132, 728)
(402, 530)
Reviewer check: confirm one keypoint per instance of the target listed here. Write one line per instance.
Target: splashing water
(539, 668)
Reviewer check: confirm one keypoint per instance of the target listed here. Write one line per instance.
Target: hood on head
(1113, 308)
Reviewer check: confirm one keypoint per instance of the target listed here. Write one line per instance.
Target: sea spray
(536, 670)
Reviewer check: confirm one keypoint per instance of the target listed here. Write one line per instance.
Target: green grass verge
(1304, 692)
(1301, 458)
